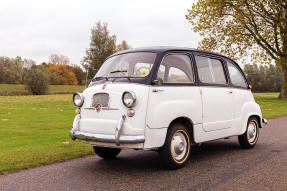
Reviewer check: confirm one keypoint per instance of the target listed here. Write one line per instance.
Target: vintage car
(165, 99)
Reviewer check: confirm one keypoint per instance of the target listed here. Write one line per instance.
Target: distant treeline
(264, 78)
(58, 69)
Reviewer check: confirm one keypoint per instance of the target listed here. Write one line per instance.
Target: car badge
(98, 107)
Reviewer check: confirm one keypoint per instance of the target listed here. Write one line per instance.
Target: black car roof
(161, 49)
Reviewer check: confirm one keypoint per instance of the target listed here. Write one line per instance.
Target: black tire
(106, 153)
(167, 154)
(243, 140)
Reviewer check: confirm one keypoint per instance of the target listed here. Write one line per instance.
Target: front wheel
(176, 150)
(106, 153)
(250, 137)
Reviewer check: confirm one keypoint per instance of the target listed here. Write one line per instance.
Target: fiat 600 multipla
(165, 99)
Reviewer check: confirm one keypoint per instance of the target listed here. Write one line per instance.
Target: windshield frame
(129, 77)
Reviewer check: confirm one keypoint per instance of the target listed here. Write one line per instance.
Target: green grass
(34, 130)
(272, 94)
(272, 106)
(19, 89)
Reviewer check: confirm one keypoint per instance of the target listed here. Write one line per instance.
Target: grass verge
(34, 130)
(272, 106)
(19, 89)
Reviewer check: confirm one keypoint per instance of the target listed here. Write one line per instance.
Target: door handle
(230, 91)
(156, 90)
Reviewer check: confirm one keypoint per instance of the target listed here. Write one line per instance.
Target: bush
(37, 81)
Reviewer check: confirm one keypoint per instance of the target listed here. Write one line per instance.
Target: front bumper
(117, 138)
(106, 138)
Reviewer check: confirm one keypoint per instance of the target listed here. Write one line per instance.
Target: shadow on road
(130, 160)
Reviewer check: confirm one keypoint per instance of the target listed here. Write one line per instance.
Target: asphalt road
(216, 165)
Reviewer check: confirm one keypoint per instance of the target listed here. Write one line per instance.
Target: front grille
(101, 98)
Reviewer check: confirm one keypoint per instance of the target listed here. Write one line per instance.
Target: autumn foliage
(60, 74)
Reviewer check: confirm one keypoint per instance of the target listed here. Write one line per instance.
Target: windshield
(136, 64)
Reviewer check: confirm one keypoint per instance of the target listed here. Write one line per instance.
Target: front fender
(165, 112)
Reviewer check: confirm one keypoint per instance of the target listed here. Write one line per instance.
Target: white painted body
(215, 112)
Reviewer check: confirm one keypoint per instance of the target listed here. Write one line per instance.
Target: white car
(165, 99)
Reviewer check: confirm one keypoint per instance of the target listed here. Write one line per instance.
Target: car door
(175, 93)
(217, 105)
(241, 93)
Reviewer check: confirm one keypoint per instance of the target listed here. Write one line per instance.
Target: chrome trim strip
(103, 108)
(108, 138)
(109, 108)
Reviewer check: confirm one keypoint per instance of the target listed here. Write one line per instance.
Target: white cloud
(35, 28)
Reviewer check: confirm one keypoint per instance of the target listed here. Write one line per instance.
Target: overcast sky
(36, 29)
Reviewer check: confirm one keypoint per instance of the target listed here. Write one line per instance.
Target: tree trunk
(283, 63)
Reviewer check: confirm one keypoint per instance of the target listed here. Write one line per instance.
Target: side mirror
(158, 82)
(249, 86)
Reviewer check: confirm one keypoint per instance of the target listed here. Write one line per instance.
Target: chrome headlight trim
(81, 101)
(134, 98)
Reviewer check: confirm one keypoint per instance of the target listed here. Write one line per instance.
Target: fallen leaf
(66, 142)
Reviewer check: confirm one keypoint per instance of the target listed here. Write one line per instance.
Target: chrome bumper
(107, 138)
(264, 121)
(117, 138)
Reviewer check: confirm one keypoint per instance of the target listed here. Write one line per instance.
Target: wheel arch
(187, 122)
(258, 119)
(257, 116)
(249, 109)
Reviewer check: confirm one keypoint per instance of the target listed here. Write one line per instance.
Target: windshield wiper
(117, 71)
(99, 78)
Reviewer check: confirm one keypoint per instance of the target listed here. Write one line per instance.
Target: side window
(176, 75)
(236, 76)
(176, 68)
(210, 70)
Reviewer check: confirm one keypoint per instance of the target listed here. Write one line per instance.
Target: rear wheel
(106, 153)
(176, 150)
(250, 137)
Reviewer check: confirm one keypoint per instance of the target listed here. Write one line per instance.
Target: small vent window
(101, 98)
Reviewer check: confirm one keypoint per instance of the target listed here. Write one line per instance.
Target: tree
(59, 74)
(79, 73)
(12, 70)
(123, 46)
(239, 28)
(102, 45)
(59, 59)
(264, 78)
(1, 73)
(37, 80)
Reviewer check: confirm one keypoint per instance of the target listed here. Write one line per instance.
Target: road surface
(216, 165)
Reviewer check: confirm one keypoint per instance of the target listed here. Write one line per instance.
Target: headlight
(78, 99)
(129, 99)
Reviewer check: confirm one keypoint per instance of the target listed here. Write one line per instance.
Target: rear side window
(236, 77)
(210, 70)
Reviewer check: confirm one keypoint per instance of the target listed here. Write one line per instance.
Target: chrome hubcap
(251, 132)
(178, 146)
